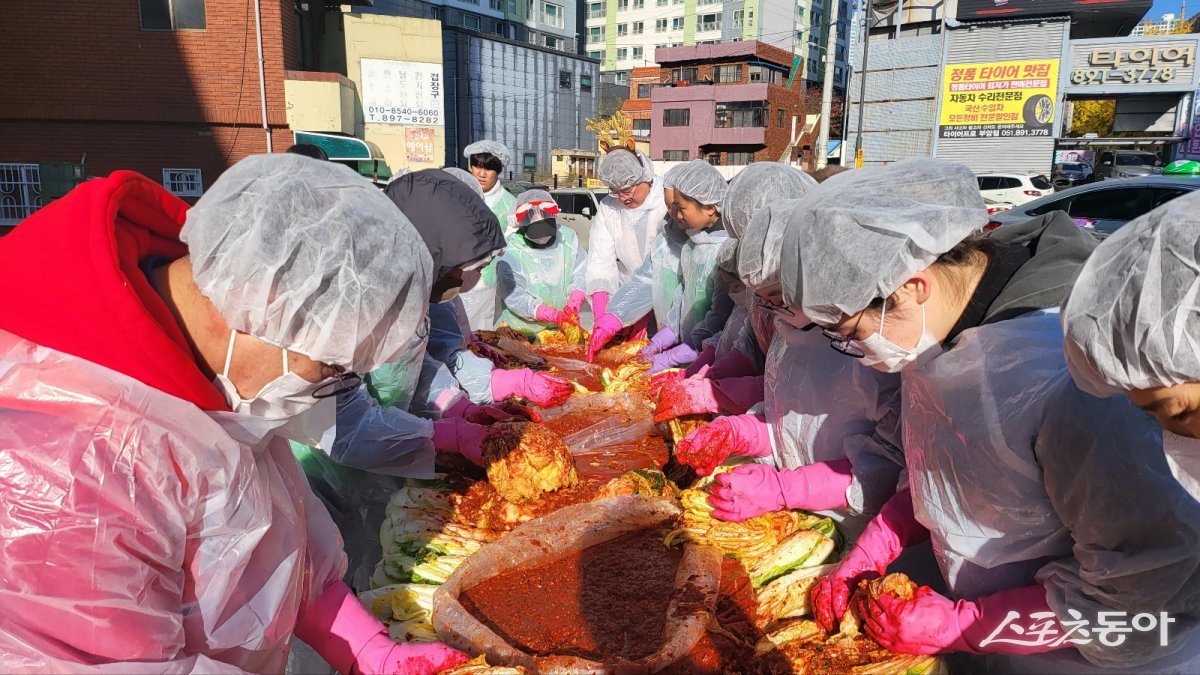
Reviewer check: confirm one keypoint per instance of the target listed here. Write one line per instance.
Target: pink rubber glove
(600, 303)
(709, 446)
(887, 535)
(754, 489)
(603, 330)
(574, 304)
(930, 623)
(460, 436)
(733, 364)
(680, 355)
(541, 388)
(344, 633)
(708, 397)
(665, 338)
(707, 356)
(504, 411)
(548, 314)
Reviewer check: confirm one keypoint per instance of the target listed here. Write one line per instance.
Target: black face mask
(545, 230)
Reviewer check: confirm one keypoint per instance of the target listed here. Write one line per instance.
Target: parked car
(1127, 164)
(1014, 188)
(1104, 206)
(516, 187)
(1070, 174)
(577, 208)
(995, 207)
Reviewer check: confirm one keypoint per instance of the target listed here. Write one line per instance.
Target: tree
(1093, 117)
(1182, 27)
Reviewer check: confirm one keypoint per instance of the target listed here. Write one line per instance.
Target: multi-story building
(728, 103)
(627, 34)
(552, 24)
(642, 82)
(1167, 25)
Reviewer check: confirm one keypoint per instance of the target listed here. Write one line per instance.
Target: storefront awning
(364, 156)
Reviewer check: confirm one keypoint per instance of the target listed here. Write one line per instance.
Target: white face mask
(1183, 456)
(699, 236)
(882, 354)
(284, 397)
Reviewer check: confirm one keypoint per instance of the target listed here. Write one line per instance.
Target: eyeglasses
(627, 192)
(777, 309)
(345, 382)
(845, 344)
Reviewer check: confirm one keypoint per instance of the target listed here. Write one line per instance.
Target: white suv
(1014, 188)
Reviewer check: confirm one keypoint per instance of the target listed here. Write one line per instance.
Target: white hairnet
(533, 196)
(728, 255)
(670, 176)
(1132, 320)
(758, 185)
(621, 169)
(310, 256)
(760, 247)
(862, 234)
(490, 148)
(466, 177)
(700, 181)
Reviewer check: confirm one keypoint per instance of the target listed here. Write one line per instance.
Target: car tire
(1038, 112)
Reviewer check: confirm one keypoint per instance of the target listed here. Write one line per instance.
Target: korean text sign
(998, 100)
(403, 92)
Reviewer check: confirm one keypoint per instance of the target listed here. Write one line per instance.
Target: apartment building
(551, 24)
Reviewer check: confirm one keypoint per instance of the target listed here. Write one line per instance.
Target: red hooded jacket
(69, 280)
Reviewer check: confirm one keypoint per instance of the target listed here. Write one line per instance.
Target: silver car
(1103, 207)
(578, 207)
(1127, 164)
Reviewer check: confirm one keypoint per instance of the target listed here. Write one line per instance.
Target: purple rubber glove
(709, 446)
(698, 396)
(708, 355)
(548, 314)
(733, 364)
(930, 623)
(754, 489)
(600, 303)
(674, 357)
(459, 436)
(603, 330)
(664, 339)
(542, 388)
(574, 304)
(339, 628)
(504, 411)
(887, 535)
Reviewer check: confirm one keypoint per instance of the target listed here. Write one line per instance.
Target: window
(497, 5)
(677, 23)
(552, 42)
(566, 79)
(639, 4)
(530, 161)
(660, 3)
(683, 74)
(644, 90)
(596, 34)
(737, 18)
(622, 29)
(183, 182)
(739, 158)
(596, 10)
(622, 5)
(641, 128)
(764, 74)
(660, 26)
(585, 83)
(598, 56)
(1040, 182)
(708, 22)
(637, 52)
(727, 74)
(735, 114)
(779, 117)
(713, 158)
(621, 78)
(638, 27)
(470, 21)
(988, 182)
(799, 12)
(552, 15)
(498, 27)
(677, 117)
(675, 155)
(172, 14)
(622, 53)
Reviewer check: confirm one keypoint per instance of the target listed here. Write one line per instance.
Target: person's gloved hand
(603, 330)
(886, 536)
(680, 355)
(543, 389)
(339, 628)
(661, 379)
(699, 396)
(733, 364)
(460, 436)
(754, 489)
(707, 357)
(488, 352)
(709, 446)
(504, 411)
(664, 339)
(930, 623)
(599, 303)
(574, 304)
(548, 314)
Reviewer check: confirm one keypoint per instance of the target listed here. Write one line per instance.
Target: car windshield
(1072, 167)
(1135, 159)
(1040, 182)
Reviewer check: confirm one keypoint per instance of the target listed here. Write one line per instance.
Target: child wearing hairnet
(542, 272)
(697, 188)
(488, 160)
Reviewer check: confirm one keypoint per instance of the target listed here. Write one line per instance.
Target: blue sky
(1171, 7)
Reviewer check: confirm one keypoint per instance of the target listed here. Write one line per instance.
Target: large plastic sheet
(624, 418)
(569, 530)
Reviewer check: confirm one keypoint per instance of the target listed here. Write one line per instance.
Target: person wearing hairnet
(153, 516)
(1038, 512)
(464, 237)
(1132, 328)
(697, 189)
(487, 160)
(626, 223)
(542, 272)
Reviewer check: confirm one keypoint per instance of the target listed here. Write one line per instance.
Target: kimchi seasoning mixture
(608, 601)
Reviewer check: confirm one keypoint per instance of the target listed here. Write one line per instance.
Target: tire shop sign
(1005, 99)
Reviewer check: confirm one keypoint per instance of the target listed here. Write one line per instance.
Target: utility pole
(827, 90)
(862, 83)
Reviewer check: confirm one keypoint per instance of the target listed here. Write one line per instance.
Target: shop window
(172, 14)
(183, 182)
(677, 117)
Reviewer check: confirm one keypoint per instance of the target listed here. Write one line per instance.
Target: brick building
(168, 88)
(727, 103)
(637, 107)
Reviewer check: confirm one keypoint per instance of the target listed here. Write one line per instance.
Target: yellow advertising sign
(594, 184)
(998, 100)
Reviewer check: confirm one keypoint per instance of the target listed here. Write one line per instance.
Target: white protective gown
(620, 239)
